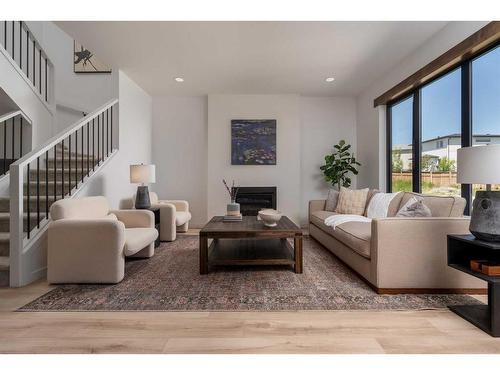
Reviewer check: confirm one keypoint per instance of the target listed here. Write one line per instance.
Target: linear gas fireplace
(253, 199)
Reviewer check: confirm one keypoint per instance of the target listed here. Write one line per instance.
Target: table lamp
(481, 165)
(142, 174)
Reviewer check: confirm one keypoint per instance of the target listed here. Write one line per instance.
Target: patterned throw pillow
(414, 208)
(352, 201)
(332, 200)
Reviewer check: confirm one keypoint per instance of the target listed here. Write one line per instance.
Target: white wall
(371, 121)
(324, 121)
(84, 92)
(192, 142)
(135, 135)
(285, 175)
(180, 152)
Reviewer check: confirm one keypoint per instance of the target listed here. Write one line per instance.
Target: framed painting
(253, 142)
(85, 62)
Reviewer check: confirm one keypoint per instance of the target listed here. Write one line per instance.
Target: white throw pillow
(379, 205)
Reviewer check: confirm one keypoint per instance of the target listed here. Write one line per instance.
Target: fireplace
(253, 199)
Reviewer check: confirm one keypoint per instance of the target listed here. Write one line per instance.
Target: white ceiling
(252, 57)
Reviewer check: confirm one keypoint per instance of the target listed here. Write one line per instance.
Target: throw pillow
(352, 201)
(379, 205)
(332, 200)
(414, 208)
(371, 194)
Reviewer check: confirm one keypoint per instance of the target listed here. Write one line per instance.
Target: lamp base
(485, 217)
(142, 201)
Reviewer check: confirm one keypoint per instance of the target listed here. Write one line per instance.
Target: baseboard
(477, 291)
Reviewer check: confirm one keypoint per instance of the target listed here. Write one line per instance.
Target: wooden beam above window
(474, 44)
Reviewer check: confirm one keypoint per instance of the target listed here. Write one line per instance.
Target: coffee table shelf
(250, 242)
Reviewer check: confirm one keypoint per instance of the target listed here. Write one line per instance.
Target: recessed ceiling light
(179, 79)
(330, 79)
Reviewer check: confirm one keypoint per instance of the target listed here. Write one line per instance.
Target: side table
(461, 250)
(156, 212)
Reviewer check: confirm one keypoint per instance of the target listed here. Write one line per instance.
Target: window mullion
(466, 114)
(417, 126)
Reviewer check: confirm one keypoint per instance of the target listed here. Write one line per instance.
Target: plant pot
(233, 209)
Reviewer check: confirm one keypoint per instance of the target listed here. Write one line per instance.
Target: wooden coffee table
(250, 242)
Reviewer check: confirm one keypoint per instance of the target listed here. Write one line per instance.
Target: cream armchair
(174, 216)
(88, 243)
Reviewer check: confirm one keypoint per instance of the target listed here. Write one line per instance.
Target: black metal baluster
(88, 146)
(93, 145)
(21, 45)
(28, 200)
(107, 132)
(98, 141)
(21, 139)
(13, 50)
(112, 128)
(47, 184)
(81, 176)
(38, 191)
(40, 71)
(28, 54)
(70, 176)
(5, 147)
(102, 114)
(46, 88)
(13, 140)
(5, 35)
(55, 173)
(62, 176)
(34, 71)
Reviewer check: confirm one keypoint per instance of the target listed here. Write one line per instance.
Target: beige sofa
(88, 243)
(396, 254)
(174, 216)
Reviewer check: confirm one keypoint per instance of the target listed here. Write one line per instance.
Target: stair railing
(26, 54)
(55, 170)
(14, 139)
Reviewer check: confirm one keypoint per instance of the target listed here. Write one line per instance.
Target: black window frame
(466, 123)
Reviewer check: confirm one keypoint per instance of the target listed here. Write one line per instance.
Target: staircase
(39, 174)
(56, 170)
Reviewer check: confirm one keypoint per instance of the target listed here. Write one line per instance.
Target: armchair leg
(183, 228)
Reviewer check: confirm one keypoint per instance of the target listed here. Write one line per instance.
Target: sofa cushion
(318, 217)
(137, 239)
(352, 201)
(355, 235)
(414, 208)
(369, 197)
(182, 217)
(439, 206)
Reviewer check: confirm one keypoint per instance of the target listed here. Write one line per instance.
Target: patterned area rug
(170, 281)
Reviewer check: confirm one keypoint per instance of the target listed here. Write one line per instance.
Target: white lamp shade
(142, 174)
(478, 165)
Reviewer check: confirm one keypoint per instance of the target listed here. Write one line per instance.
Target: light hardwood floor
(437, 331)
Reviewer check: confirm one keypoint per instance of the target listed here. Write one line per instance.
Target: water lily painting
(253, 142)
(86, 62)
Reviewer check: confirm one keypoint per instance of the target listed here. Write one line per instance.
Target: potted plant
(339, 164)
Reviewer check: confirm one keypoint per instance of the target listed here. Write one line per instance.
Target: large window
(401, 141)
(441, 135)
(486, 102)
(458, 108)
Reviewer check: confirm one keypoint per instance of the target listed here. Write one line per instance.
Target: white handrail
(29, 157)
(12, 114)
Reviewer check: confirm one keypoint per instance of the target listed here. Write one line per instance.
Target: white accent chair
(88, 243)
(174, 216)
